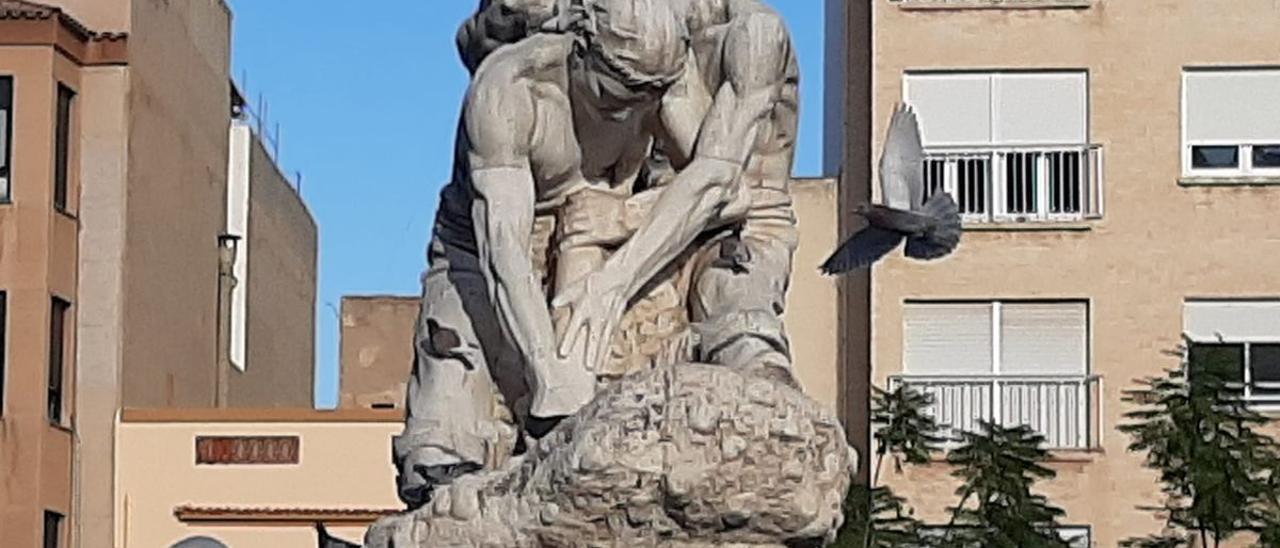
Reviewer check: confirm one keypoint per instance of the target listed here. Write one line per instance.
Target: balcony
(1019, 184)
(1063, 409)
(992, 4)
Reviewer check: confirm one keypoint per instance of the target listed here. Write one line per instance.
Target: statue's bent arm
(756, 53)
(498, 128)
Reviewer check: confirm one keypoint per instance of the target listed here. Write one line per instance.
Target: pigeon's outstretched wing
(862, 250)
(902, 162)
(944, 237)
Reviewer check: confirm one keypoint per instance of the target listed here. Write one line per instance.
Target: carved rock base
(689, 456)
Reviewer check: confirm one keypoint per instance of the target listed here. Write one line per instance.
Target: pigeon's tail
(944, 237)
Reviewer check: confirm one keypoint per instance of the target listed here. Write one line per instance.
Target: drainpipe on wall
(228, 246)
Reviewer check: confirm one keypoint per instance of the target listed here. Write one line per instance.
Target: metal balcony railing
(1063, 409)
(1019, 184)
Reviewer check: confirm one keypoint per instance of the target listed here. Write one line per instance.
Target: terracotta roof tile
(191, 513)
(21, 9)
(25, 9)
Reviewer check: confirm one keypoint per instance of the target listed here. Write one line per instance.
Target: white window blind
(1040, 108)
(954, 109)
(1232, 106)
(1044, 339)
(1000, 108)
(947, 339)
(1235, 321)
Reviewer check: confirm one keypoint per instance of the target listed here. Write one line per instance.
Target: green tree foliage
(1215, 470)
(997, 509)
(874, 516)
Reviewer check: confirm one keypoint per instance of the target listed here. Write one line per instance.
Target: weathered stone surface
(686, 456)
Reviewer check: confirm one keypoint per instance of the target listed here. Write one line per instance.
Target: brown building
(45, 58)
(116, 262)
(1075, 273)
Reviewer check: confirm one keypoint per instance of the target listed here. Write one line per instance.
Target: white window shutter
(1044, 338)
(1235, 321)
(1233, 106)
(954, 108)
(947, 339)
(1040, 108)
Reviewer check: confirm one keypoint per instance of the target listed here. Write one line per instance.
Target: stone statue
(625, 161)
(931, 227)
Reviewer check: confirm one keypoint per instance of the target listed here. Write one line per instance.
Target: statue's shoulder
(532, 58)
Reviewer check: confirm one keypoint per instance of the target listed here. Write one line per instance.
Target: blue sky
(367, 96)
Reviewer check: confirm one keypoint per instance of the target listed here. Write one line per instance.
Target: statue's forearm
(683, 210)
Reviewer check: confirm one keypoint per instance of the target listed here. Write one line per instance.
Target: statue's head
(630, 52)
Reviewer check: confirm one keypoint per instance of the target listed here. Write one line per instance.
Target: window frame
(1271, 403)
(6, 137)
(58, 520)
(4, 348)
(56, 381)
(63, 143)
(1244, 147)
(997, 336)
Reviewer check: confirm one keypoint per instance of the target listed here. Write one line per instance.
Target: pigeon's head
(861, 209)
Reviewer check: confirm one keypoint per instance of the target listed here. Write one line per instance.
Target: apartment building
(123, 280)
(1115, 164)
(45, 58)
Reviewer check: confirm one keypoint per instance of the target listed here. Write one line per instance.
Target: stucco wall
(104, 146)
(179, 122)
(377, 350)
(811, 316)
(1158, 244)
(281, 293)
(344, 464)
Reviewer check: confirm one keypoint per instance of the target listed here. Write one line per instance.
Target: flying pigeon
(931, 229)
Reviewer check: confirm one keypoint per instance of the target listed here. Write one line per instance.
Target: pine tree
(998, 467)
(1215, 469)
(874, 516)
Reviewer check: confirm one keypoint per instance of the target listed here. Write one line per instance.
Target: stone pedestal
(686, 456)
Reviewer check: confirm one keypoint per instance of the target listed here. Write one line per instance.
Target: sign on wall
(247, 450)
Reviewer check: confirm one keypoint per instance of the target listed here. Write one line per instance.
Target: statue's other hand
(596, 304)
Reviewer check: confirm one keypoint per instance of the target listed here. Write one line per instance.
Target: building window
(1009, 146)
(1004, 362)
(1243, 338)
(1075, 536)
(62, 148)
(57, 356)
(4, 345)
(6, 136)
(52, 529)
(1231, 123)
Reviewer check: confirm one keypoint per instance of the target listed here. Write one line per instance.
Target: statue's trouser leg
(458, 420)
(739, 307)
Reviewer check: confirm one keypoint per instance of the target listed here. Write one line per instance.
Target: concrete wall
(104, 146)
(1158, 244)
(377, 350)
(179, 121)
(38, 253)
(281, 293)
(345, 463)
(812, 316)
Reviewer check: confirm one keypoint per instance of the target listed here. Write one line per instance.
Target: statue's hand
(596, 304)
